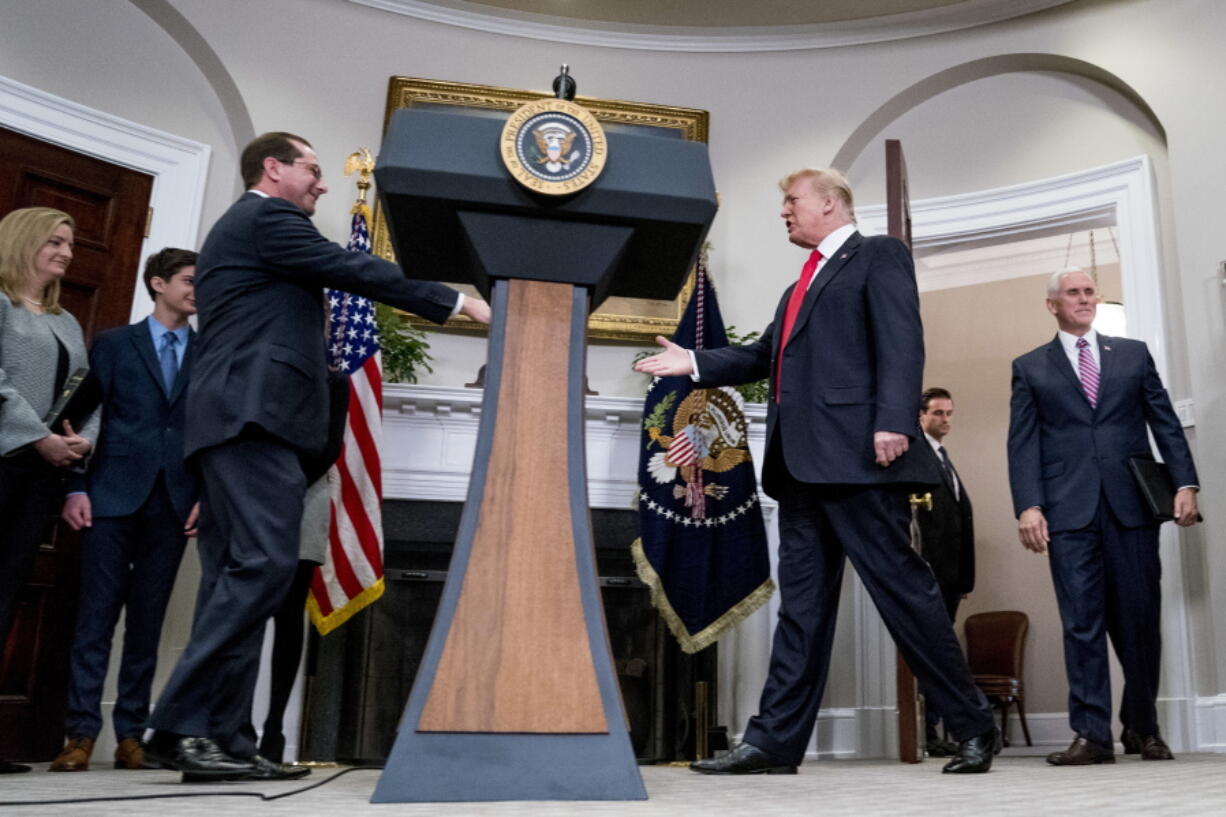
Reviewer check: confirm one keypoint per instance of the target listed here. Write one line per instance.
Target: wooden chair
(995, 644)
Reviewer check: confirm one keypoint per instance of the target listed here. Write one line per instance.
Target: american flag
(352, 576)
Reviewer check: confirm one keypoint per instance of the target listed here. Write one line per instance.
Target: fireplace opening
(360, 675)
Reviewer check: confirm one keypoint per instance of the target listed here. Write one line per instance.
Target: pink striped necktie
(1088, 371)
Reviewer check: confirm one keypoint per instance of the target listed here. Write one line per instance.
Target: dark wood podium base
(516, 697)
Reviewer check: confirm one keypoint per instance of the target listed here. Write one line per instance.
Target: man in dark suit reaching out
(845, 356)
(258, 405)
(1082, 406)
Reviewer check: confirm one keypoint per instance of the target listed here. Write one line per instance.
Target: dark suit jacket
(853, 366)
(142, 427)
(260, 361)
(947, 532)
(1064, 455)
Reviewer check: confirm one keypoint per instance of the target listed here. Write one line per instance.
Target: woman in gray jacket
(40, 344)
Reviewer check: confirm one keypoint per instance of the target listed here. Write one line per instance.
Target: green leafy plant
(405, 348)
(759, 391)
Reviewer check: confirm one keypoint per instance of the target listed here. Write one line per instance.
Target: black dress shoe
(9, 767)
(272, 746)
(266, 769)
(1149, 747)
(938, 747)
(198, 758)
(975, 755)
(744, 759)
(1082, 752)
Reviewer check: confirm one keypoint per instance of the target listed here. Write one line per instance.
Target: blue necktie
(168, 360)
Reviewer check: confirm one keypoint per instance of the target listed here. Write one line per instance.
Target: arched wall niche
(932, 86)
(193, 43)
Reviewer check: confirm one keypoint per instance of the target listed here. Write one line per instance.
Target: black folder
(80, 395)
(1154, 480)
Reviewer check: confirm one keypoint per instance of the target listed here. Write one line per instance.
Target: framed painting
(636, 320)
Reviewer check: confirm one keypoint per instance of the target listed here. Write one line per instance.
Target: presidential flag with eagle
(702, 549)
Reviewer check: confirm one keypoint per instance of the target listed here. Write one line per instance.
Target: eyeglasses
(314, 169)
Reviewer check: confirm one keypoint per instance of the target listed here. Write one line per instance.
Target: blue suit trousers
(130, 563)
(1107, 580)
(249, 526)
(819, 525)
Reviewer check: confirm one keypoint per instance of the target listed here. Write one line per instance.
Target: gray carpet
(1191, 785)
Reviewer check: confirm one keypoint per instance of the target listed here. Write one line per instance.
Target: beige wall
(320, 67)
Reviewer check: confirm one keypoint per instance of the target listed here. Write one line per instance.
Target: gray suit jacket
(27, 373)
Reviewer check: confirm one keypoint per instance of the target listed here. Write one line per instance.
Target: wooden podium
(516, 697)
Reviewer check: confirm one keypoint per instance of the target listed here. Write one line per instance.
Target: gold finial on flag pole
(363, 162)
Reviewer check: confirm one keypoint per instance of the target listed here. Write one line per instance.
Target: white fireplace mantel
(430, 433)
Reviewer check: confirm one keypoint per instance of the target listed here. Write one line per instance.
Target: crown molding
(967, 14)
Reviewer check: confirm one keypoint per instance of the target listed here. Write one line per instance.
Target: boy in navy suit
(139, 504)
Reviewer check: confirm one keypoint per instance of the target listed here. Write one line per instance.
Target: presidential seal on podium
(553, 146)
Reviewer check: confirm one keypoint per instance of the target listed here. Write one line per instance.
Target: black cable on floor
(180, 794)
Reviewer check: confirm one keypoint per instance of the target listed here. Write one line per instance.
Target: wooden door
(110, 206)
(898, 224)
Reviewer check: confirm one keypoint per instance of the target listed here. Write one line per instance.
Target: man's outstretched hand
(672, 362)
(476, 309)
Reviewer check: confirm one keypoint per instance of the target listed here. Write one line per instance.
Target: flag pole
(362, 162)
(352, 575)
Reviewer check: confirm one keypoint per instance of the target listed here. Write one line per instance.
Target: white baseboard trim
(836, 735)
(871, 732)
(1210, 735)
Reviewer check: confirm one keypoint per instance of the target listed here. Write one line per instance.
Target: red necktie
(789, 314)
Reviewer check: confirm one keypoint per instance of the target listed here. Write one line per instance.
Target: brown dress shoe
(1153, 747)
(1082, 753)
(130, 754)
(1149, 747)
(74, 757)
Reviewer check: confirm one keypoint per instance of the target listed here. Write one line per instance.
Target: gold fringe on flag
(326, 624)
(692, 643)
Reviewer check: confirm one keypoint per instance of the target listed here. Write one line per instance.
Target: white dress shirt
(1069, 342)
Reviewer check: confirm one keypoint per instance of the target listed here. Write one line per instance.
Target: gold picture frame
(636, 320)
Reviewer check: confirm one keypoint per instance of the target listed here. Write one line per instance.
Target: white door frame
(179, 166)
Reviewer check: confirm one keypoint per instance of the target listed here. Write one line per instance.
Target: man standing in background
(1083, 405)
(947, 534)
